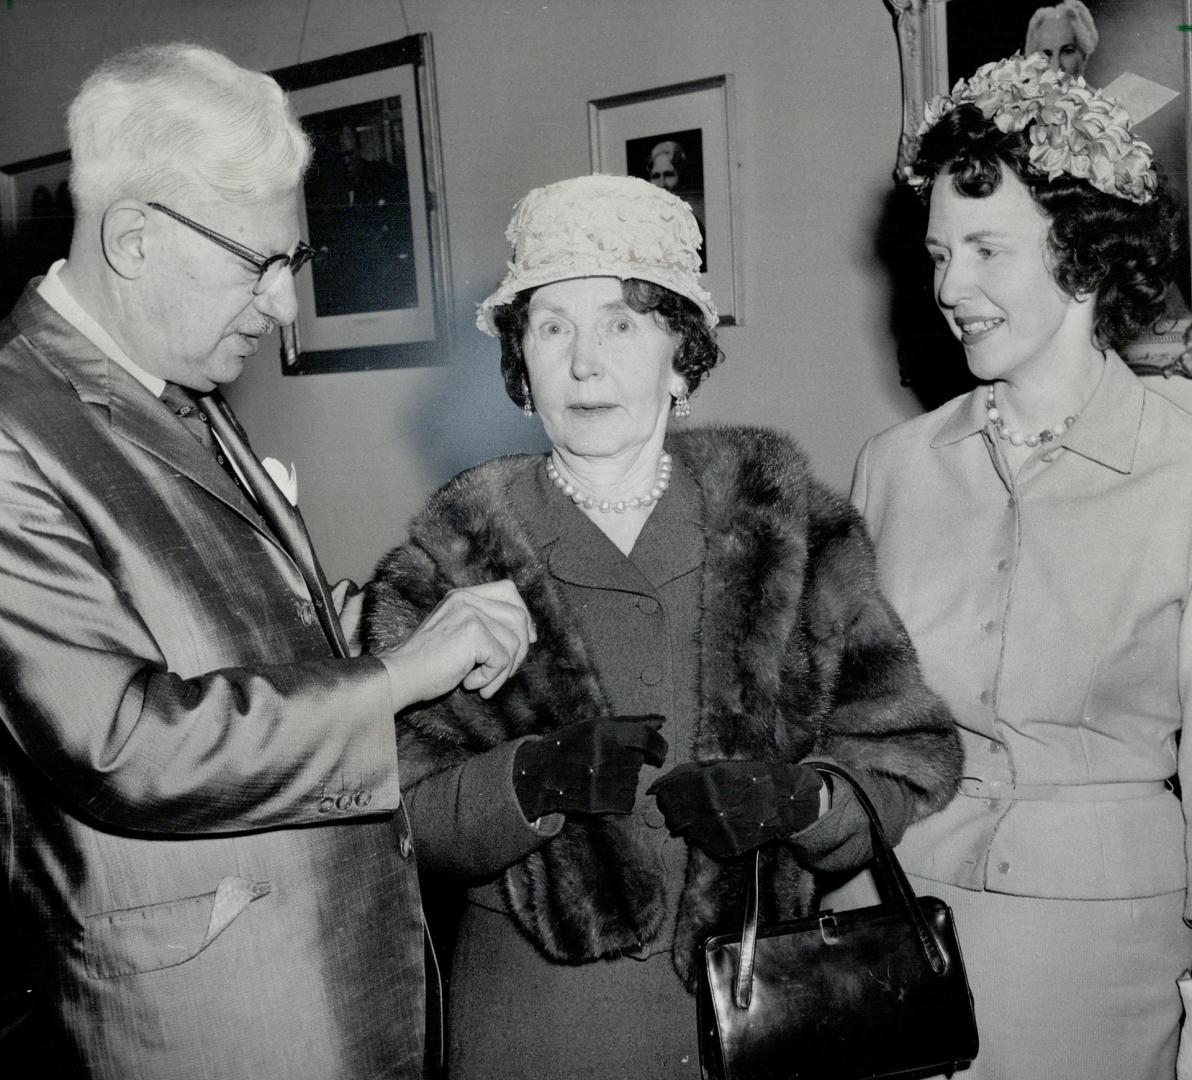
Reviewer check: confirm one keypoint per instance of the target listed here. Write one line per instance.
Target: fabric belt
(1003, 789)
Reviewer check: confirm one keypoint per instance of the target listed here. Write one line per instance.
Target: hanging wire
(302, 36)
(404, 19)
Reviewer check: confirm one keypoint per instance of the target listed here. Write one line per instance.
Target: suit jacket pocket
(164, 935)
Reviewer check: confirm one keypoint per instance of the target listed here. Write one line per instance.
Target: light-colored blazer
(1052, 610)
(197, 802)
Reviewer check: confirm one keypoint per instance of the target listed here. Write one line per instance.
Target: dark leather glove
(730, 807)
(587, 767)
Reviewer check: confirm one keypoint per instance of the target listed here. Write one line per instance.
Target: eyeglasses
(268, 267)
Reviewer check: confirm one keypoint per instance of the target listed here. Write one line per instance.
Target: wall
(818, 101)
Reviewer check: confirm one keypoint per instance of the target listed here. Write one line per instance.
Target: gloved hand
(587, 767)
(730, 807)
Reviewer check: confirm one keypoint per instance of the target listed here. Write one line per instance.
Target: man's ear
(122, 231)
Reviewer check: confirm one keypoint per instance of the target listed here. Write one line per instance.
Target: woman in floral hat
(1036, 537)
(707, 621)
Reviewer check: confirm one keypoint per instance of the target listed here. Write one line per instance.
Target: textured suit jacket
(198, 834)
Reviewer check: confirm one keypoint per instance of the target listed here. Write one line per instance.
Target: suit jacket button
(363, 798)
(653, 818)
(326, 804)
(344, 802)
(651, 675)
(308, 613)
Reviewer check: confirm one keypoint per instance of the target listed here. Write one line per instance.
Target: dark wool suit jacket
(197, 833)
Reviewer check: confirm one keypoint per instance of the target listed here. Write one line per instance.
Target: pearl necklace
(619, 506)
(1017, 438)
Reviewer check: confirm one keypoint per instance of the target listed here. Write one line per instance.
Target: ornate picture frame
(928, 41)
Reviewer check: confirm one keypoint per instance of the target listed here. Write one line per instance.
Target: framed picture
(1141, 59)
(681, 138)
(36, 219)
(378, 295)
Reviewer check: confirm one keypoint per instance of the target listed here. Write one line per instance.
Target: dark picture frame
(682, 137)
(36, 220)
(378, 294)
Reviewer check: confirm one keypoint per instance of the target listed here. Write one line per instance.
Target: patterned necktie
(185, 405)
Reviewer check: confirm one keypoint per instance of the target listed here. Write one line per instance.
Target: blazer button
(307, 612)
(651, 675)
(647, 605)
(363, 798)
(653, 818)
(326, 804)
(344, 802)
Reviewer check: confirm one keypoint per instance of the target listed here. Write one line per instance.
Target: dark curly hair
(1123, 253)
(695, 355)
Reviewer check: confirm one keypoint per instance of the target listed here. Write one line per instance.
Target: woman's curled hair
(696, 354)
(1124, 252)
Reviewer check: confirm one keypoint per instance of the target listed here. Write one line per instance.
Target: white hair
(158, 121)
(1076, 14)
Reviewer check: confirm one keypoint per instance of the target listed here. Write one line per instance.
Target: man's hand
(476, 638)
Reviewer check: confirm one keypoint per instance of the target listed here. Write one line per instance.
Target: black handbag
(839, 995)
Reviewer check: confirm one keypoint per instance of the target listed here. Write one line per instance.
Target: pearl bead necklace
(1017, 438)
(618, 506)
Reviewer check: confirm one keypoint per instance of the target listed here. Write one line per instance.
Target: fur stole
(788, 584)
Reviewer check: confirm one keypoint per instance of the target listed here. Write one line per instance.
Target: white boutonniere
(286, 481)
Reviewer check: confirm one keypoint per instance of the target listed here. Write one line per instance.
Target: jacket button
(651, 675)
(363, 798)
(653, 818)
(326, 804)
(307, 613)
(1003, 868)
(344, 802)
(647, 605)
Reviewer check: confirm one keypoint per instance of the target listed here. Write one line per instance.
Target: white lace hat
(602, 226)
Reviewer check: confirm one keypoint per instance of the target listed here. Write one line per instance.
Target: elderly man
(201, 835)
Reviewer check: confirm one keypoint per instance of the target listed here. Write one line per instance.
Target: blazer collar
(671, 542)
(1106, 432)
(133, 412)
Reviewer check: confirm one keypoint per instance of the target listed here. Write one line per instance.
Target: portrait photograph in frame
(1141, 58)
(680, 138)
(372, 207)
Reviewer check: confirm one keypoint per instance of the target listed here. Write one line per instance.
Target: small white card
(1139, 96)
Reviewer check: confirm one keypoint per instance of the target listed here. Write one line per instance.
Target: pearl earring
(682, 406)
(527, 402)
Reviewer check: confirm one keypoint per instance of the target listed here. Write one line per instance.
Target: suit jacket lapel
(135, 414)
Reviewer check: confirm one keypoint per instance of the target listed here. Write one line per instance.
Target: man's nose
(280, 301)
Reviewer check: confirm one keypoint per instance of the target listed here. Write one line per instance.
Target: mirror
(1141, 57)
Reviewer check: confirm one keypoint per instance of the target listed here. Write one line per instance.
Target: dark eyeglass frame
(262, 264)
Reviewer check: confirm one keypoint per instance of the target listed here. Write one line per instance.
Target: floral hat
(602, 226)
(1074, 130)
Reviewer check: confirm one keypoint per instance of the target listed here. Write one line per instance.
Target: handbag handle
(886, 867)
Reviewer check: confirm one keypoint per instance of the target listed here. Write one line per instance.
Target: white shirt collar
(54, 292)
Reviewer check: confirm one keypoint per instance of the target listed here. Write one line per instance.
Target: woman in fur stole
(707, 621)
